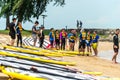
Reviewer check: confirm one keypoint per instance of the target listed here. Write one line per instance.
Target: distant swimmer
(95, 39)
(115, 45)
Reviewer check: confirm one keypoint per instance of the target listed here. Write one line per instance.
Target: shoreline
(89, 63)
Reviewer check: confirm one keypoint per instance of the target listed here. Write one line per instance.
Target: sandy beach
(89, 63)
(96, 63)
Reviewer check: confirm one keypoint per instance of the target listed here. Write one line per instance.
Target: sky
(93, 13)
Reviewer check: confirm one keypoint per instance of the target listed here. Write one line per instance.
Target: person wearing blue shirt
(19, 35)
(89, 42)
(95, 39)
(51, 37)
(72, 38)
(82, 42)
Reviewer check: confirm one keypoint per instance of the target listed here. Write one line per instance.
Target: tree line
(24, 10)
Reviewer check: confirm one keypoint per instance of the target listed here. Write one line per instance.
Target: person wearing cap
(41, 36)
(34, 32)
(95, 39)
(115, 46)
(63, 36)
(51, 37)
(12, 32)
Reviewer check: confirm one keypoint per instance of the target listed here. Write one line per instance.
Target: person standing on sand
(19, 35)
(57, 39)
(89, 42)
(41, 36)
(34, 33)
(95, 38)
(63, 36)
(75, 38)
(115, 45)
(82, 42)
(12, 32)
(51, 37)
(72, 39)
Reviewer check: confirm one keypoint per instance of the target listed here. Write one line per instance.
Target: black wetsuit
(12, 31)
(116, 42)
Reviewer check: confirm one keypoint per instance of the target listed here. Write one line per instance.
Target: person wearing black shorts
(12, 32)
(82, 42)
(57, 39)
(115, 45)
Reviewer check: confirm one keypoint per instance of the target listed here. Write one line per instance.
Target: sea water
(108, 55)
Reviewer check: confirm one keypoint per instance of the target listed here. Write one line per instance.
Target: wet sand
(98, 64)
(89, 63)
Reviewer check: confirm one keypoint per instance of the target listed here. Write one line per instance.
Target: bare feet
(115, 62)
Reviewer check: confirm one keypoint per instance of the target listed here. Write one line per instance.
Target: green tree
(6, 10)
(27, 9)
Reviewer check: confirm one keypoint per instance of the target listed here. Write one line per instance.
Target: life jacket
(63, 34)
(83, 35)
(57, 36)
(94, 36)
(88, 37)
(20, 28)
(73, 37)
(53, 34)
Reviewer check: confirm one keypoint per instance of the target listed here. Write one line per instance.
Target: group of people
(58, 38)
(15, 30)
(89, 40)
(38, 33)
